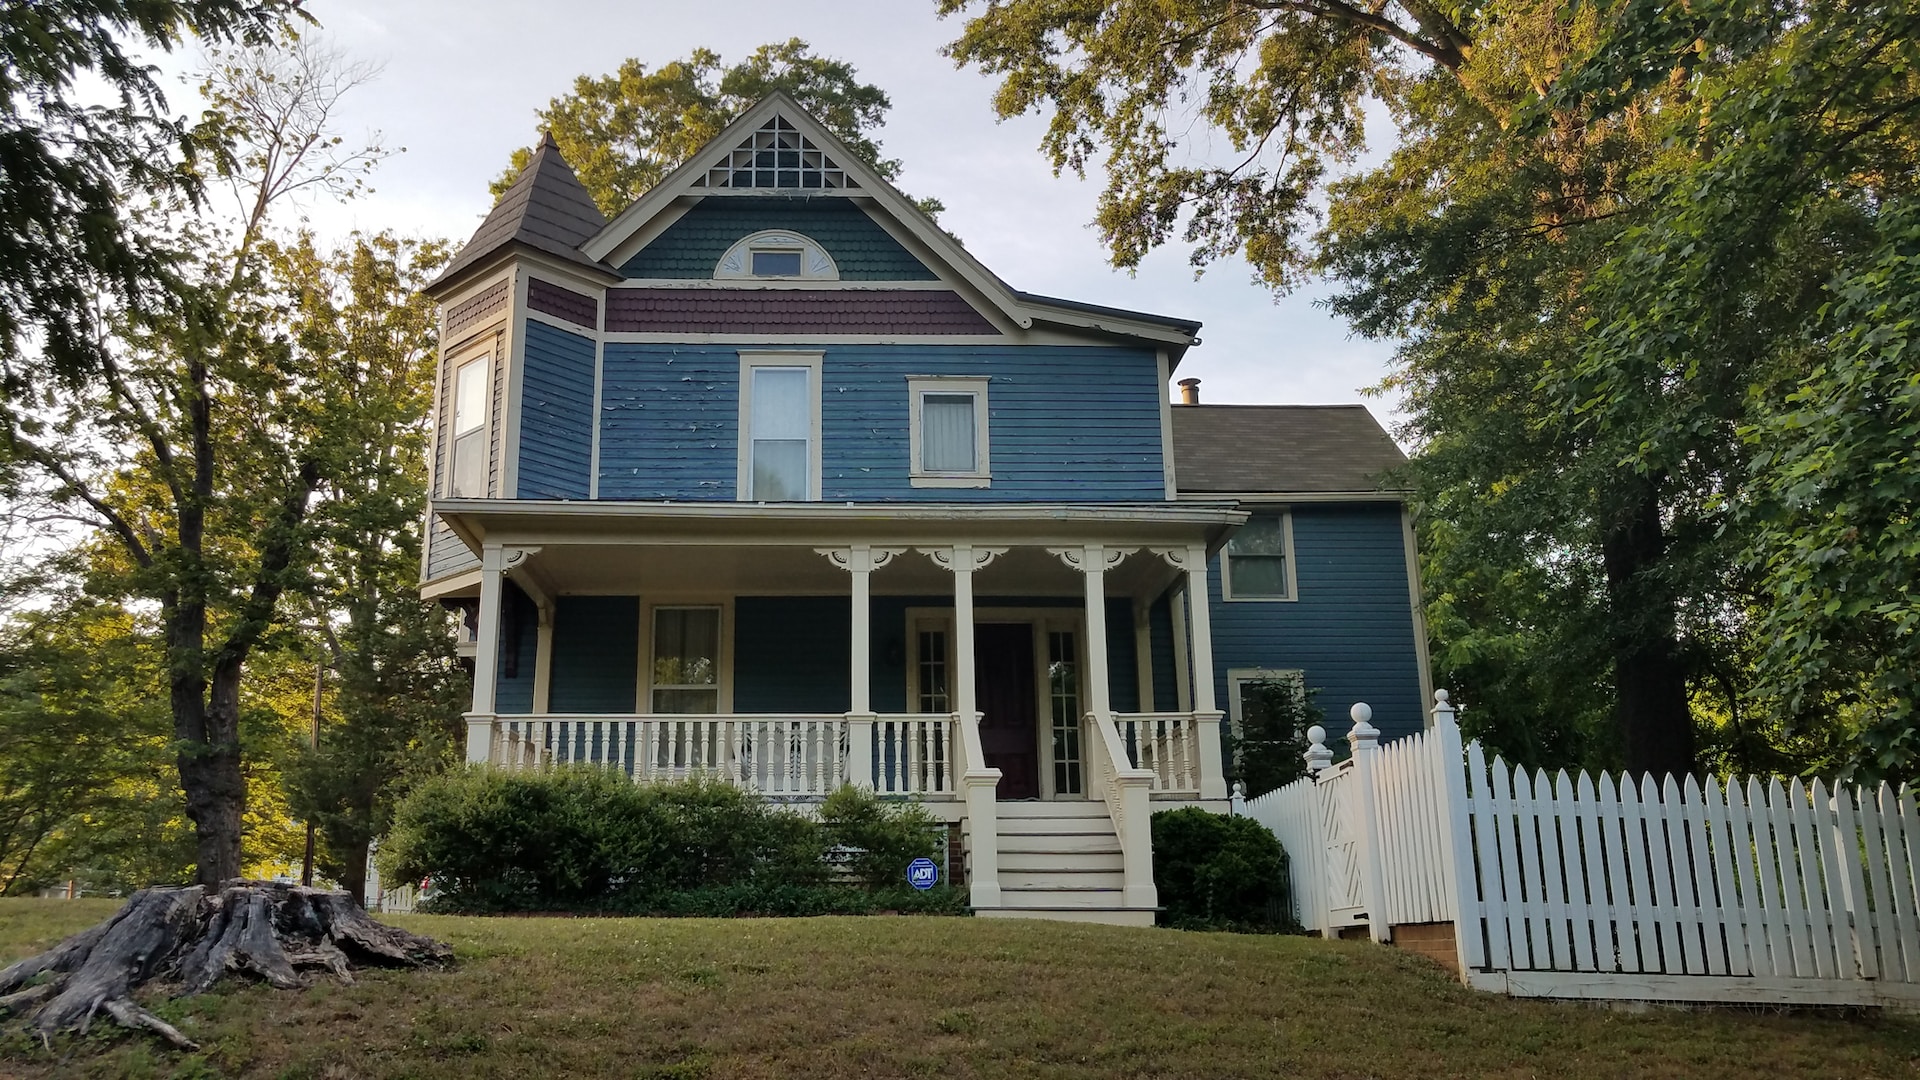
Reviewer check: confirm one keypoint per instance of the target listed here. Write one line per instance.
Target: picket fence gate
(1575, 885)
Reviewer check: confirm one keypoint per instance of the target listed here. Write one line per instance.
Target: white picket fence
(1584, 886)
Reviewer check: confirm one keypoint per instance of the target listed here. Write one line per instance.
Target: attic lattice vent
(777, 156)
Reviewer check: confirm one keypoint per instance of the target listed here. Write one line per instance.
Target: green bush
(878, 838)
(589, 839)
(1219, 873)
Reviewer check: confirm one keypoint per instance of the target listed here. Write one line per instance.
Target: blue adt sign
(922, 873)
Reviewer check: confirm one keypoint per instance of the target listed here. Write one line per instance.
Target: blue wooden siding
(519, 641)
(791, 654)
(596, 654)
(556, 414)
(446, 552)
(1351, 630)
(1064, 423)
(692, 246)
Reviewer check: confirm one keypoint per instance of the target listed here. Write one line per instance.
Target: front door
(1003, 655)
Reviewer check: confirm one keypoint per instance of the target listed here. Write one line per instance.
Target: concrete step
(1037, 808)
(1110, 916)
(1098, 859)
(1059, 880)
(1042, 826)
(1063, 843)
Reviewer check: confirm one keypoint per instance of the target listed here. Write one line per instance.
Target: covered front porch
(966, 656)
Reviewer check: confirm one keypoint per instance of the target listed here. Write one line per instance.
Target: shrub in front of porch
(589, 839)
(1219, 873)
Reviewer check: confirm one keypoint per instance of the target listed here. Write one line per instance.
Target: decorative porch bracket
(861, 560)
(1192, 560)
(978, 783)
(495, 563)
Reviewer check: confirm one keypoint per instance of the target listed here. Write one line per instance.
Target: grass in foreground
(882, 996)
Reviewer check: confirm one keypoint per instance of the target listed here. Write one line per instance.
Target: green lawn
(891, 996)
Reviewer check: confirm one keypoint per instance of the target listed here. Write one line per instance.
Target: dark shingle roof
(792, 311)
(1281, 448)
(546, 209)
(1185, 326)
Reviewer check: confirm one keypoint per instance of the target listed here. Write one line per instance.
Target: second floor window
(469, 479)
(1258, 562)
(779, 421)
(948, 425)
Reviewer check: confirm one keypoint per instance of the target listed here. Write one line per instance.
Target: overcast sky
(460, 82)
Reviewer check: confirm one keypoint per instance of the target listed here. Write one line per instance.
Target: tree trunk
(353, 869)
(1650, 682)
(194, 937)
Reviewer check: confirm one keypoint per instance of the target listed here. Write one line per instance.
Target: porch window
(686, 660)
(1258, 561)
(780, 426)
(932, 683)
(1063, 697)
(469, 480)
(948, 431)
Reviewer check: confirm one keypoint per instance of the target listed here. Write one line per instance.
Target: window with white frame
(1258, 562)
(1269, 711)
(776, 255)
(469, 434)
(948, 431)
(686, 660)
(779, 427)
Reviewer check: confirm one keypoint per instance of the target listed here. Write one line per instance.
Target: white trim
(490, 356)
(1168, 465)
(643, 693)
(815, 263)
(599, 379)
(975, 386)
(1286, 541)
(559, 323)
(814, 363)
(1182, 653)
(1416, 600)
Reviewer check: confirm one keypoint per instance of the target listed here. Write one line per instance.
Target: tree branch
(112, 521)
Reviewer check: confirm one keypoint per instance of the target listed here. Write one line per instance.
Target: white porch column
(543, 660)
(486, 655)
(1206, 714)
(978, 784)
(861, 560)
(1093, 561)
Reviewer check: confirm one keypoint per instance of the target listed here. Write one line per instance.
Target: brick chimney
(1189, 391)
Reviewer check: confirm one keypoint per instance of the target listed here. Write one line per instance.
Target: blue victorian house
(768, 479)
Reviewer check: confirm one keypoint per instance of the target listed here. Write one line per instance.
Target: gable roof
(546, 209)
(699, 176)
(1293, 449)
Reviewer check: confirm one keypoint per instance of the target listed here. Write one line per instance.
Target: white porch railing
(785, 755)
(1166, 745)
(1113, 778)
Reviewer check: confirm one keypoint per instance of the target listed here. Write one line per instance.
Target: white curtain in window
(782, 419)
(946, 437)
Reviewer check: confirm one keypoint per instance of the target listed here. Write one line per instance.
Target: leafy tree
(397, 693)
(199, 439)
(623, 132)
(1610, 239)
(1269, 749)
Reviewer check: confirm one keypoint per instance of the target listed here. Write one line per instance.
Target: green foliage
(587, 839)
(623, 132)
(1269, 750)
(1219, 873)
(880, 837)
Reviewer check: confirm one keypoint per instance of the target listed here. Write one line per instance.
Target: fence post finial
(1442, 708)
(1363, 733)
(1237, 800)
(1319, 758)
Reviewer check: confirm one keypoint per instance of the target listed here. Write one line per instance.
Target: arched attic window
(776, 255)
(777, 156)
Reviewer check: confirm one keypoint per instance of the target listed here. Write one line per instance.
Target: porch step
(1091, 843)
(1104, 856)
(1040, 808)
(1110, 916)
(1057, 879)
(1057, 897)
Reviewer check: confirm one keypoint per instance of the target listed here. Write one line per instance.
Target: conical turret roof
(546, 209)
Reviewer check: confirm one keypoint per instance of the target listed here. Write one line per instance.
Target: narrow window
(948, 431)
(776, 264)
(780, 423)
(933, 672)
(686, 660)
(1257, 564)
(470, 430)
(1063, 695)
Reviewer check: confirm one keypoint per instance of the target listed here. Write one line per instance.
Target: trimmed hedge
(1219, 873)
(588, 839)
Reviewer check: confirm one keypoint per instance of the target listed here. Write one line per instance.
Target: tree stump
(189, 940)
